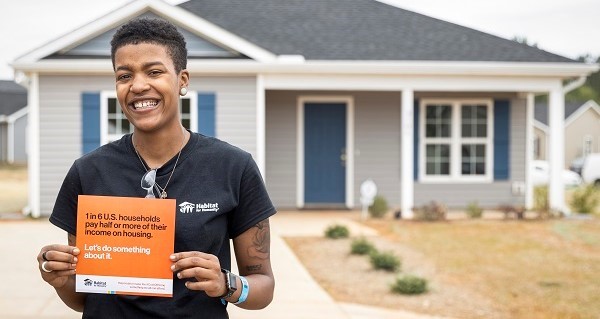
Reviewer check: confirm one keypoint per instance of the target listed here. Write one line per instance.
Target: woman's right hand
(57, 263)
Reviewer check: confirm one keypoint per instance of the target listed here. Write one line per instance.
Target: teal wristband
(245, 290)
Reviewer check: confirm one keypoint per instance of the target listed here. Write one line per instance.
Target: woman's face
(148, 86)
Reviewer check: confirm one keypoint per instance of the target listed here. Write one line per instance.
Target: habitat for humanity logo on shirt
(187, 207)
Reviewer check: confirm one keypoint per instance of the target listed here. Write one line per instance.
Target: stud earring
(183, 91)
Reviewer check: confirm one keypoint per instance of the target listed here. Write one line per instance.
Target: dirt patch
(13, 189)
(351, 278)
(475, 268)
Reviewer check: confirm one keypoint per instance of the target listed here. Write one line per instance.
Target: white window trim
(105, 95)
(455, 143)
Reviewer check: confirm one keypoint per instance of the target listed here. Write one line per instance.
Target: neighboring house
(13, 122)
(324, 94)
(582, 130)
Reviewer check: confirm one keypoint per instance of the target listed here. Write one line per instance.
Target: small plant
(517, 211)
(540, 200)
(385, 261)
(431, 212)
(474, 210)
(409, 285)
(361, 246)
(337, 231)
(379, 207)
(585, 199)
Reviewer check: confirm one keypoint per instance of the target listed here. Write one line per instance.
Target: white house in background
(13, 122)
(582, 130)
(325, 95)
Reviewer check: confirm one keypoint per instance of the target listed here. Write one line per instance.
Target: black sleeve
(64, 213)
(254, 203)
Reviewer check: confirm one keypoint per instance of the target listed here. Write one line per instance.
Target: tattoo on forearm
(261, 241)
(254, 268)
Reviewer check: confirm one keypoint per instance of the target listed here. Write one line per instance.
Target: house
(13, 122)
(582, 130)
(324, 95)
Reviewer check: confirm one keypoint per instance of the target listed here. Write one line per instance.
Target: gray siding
(3, 142)
(60, 128)
(236, 108)
(281, 148)
(60, 121)
(21, 140)
(377, 150)
(377, 143)
(487, 195)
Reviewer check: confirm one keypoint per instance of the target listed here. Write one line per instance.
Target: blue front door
(324, 153)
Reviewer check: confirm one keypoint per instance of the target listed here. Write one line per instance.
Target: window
(456, 140)
(114, 124)
(588, 144)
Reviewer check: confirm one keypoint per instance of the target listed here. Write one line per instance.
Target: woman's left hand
(205, 268)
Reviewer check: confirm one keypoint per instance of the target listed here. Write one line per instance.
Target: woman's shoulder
(108, 152)
(215, 146)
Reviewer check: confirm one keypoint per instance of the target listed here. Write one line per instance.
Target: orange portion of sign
(125, 236)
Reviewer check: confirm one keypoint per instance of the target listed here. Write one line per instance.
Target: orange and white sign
(125, 245)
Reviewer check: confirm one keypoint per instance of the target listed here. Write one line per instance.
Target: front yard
(475, 268)
(13, 188)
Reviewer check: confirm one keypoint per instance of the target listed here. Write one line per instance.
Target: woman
(149, 60)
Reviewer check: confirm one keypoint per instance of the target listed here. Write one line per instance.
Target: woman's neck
(157, 148)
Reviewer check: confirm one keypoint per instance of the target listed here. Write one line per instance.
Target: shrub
(361, 246)
(540, 200)
(385, 261)
(474, 210)
(379, 207)
(431, 212)
(337, 231)
(409, 285)
(585, 199)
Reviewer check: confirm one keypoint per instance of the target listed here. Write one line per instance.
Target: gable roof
(103, 27)
(572, 109)
(13, 97)
(358, 30)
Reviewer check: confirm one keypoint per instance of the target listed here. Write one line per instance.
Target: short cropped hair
(154, 31)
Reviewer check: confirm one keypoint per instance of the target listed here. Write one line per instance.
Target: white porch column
(556, 149)
(33, 145)
(407, 151)
(261, 126)
(529, 137)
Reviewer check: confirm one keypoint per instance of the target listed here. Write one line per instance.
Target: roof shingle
(359, 30)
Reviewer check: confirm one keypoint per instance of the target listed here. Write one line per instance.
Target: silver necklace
(161, 190)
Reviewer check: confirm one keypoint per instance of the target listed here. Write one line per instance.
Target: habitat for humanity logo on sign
(187, 207)
(88, 282)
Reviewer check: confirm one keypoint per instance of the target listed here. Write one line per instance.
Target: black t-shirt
(209, 172)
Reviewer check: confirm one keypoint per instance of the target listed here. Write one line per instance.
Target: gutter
(575, 84)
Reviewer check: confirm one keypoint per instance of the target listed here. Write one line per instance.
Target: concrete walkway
(23, 294)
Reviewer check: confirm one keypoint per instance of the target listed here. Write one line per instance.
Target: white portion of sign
(115, 284)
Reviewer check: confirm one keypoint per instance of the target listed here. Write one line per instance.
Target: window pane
(185, 106)
(474, 120)
(112, 126)
(438, 119)
(185, 123)
(437, 159)
(466, 130)
(112, 105)
(473, 159)
(124, 126)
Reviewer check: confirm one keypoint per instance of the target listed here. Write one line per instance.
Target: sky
(565, 27)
